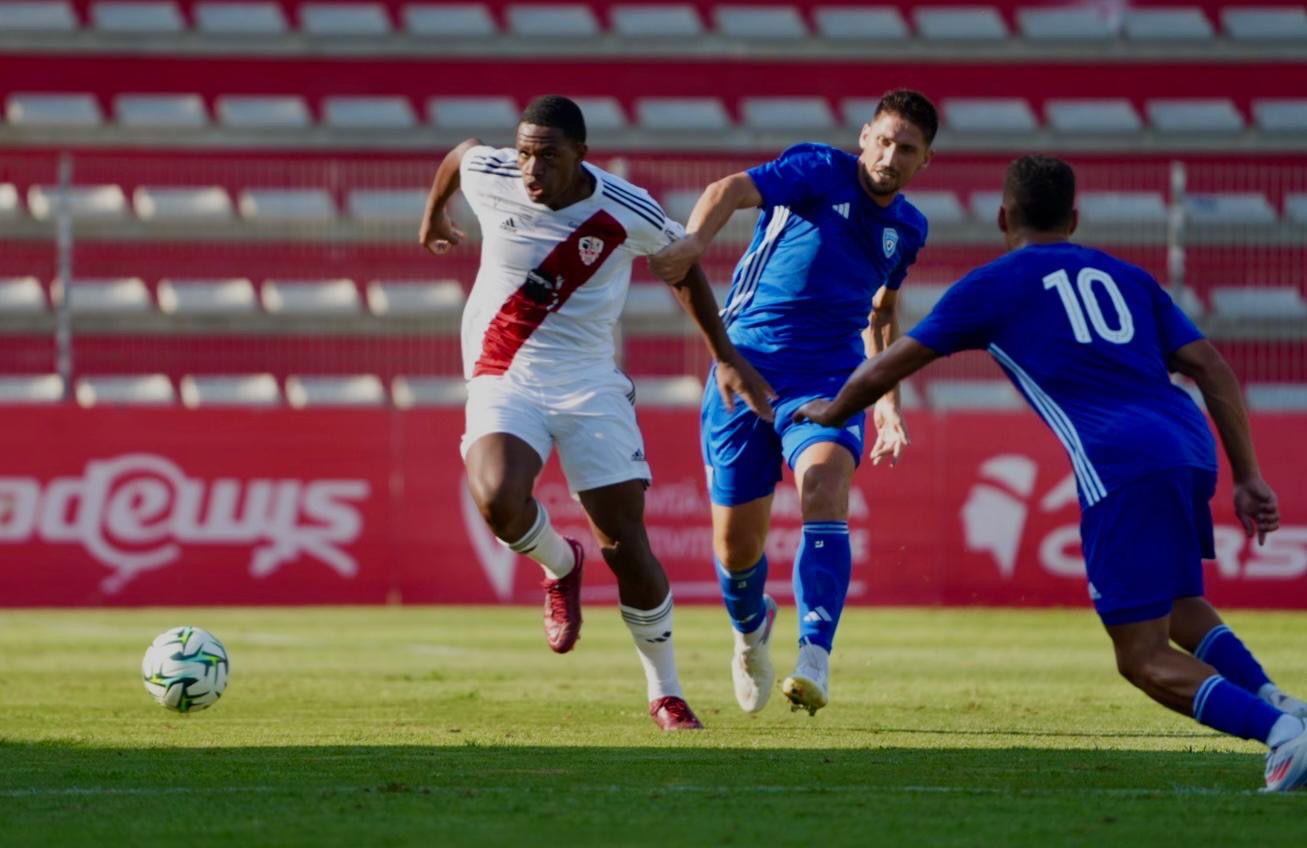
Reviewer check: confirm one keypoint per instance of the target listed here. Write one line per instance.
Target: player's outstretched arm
(882, 331)
(735, 376)
(873, 378)
(1255, 503)
(438, 232)
(713, 209)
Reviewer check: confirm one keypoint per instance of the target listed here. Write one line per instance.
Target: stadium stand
(242, 19)
(448, 20)
(223, 390)
(136, 390)
(22, 295)
(203, 297)
(415, 298)
(409, 392)
(656, 21)
(25, 389)
(311, 297)
(283, 247)
(160, 111)
(357, 390)
(262, 112)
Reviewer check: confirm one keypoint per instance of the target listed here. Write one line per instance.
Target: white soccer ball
(185, 669)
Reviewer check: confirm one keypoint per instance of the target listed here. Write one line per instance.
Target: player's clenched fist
(439, 233)
(674, 261)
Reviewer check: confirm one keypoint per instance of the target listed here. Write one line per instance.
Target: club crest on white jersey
(591, 248)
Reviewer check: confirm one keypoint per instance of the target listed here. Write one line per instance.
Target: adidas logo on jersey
(843, 209)
(638, 456)
(508, 225)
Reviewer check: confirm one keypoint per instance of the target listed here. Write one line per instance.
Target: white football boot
(751, 664)
(1286, 703)
(806, 688)
(1286, 765)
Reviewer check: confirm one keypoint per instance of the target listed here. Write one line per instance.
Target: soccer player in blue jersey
(830, 251)
(1089, 341)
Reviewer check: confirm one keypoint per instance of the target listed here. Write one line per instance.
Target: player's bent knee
(1141, 668)
(500, 502)
(825, 496)
(739, 552)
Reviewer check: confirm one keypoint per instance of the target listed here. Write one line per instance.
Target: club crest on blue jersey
(889, 241)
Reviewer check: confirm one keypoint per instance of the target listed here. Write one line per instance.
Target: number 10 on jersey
(1075, 313)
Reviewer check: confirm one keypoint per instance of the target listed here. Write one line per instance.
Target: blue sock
(742, 594)
(1223, 706)
(821, 580)
(1223, 651)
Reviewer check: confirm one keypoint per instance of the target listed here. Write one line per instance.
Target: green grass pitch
(444, 726)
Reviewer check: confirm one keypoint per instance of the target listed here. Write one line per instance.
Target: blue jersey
(1085, 338)
(800, 296)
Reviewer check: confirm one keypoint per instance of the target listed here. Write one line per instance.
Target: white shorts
(592, 422)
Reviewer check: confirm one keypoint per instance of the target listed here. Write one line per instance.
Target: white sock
(652, 632)
(1268, 692)
(813, 656)
(1285, 728)
(744, 641)
(543, 544)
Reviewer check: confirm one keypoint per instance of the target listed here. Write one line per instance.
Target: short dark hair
(912, 106)
(1043, 192)
(553, 110)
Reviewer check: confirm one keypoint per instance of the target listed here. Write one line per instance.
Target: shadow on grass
(680, 794)
(49, 767)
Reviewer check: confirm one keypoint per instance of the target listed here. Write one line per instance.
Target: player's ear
(1002, 219)
(581, 150)
(1075, 221)
(864, 137)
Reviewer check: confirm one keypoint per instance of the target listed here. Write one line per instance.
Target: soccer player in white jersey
(559, 236)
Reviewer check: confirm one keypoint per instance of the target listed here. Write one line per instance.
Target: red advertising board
(172, 506)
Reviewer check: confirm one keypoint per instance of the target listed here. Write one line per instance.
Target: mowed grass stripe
(458, 727)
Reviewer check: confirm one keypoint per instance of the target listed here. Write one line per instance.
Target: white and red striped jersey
(552, 282)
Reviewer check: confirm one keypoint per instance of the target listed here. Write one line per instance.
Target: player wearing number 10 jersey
(1089, 340)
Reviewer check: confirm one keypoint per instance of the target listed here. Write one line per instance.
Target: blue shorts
(1145, 544)
(743, 453)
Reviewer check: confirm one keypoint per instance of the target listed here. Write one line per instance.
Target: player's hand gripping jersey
(552, 282)
(800, 296)
(1085, 337)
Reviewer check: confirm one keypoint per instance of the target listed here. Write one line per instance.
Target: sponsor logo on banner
(137, 512)
(678, 520)
(998, 509)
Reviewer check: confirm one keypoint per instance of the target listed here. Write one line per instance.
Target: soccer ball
(185, 669)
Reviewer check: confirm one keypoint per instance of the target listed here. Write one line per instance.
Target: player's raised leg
(1197, 627)
(617, 517)
(1177, 680)
(501, 472)
(822, 568)
(740, 557)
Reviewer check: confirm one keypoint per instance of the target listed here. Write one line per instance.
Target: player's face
(550, 163)
(893, 150)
